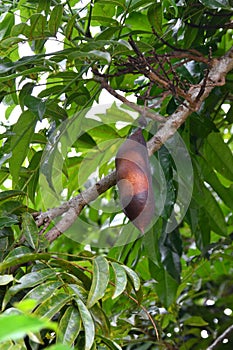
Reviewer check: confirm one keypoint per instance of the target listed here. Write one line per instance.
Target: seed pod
(134, 181)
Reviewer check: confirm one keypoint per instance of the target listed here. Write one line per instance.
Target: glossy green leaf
(21, 255)
(5, 279)
(43, 291)
(20, 141)
(120, 279)
(27, 281)
(17, 326)
(133, 277)
(30, 230)
(69, 326)
(110, 343)
(52, 305)
(88, 324)
(101, 320)
(99, 280)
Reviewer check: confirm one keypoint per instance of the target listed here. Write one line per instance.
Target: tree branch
(73, 207)
(220, 338)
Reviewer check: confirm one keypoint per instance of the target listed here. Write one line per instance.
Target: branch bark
(72, 208)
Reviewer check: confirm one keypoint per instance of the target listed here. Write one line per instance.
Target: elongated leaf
(6, 24)
(99, 281)
(69, 326)
(219, 155)
(23, 131)
(43, 291)
(5, 279)
(88, 324)
(55, 19)
(38, 23)
(10, 194)
(226, 194)
(120, 279)
(217, 220)
(101, 320)
(166, 286)
(30, 230)
(30, 280)
(22, 255)
(52, 305)
(8, 221)
(195, 321)
(155, 16)
(110, 343)
(133, 276)
(17, 326)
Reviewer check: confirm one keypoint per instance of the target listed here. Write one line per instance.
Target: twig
(142, 110)
(220, 338)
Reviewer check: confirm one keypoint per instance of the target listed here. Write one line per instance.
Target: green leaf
(100, 319)
(120, 279)
(225, 193)
(195, 321)
(155, 17)
(53, 304)
(30, 230)
(24, 92)
(5, 279)
(70, 26)
(166, 286)
(69, 326)
(27, 281)
(10, 194)
(133, 277)
(110, 343)
(99, 281)
(216, 4)
(8, 221)
(213, 209)
(219, 155)
(43, 291)
(21, 255)
(55, 19)
(35, 105)
(20, 141)
(17, 326)
(38, 25)
(88, 324)
(6, 24)
(59, 347)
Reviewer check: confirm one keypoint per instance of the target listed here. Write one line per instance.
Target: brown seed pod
(134, 180)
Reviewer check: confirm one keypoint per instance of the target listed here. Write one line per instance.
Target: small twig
(220, 338)
(146, 111)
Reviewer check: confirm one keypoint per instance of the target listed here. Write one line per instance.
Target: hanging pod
(134, 180)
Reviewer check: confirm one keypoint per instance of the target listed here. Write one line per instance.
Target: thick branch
(73, 207)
